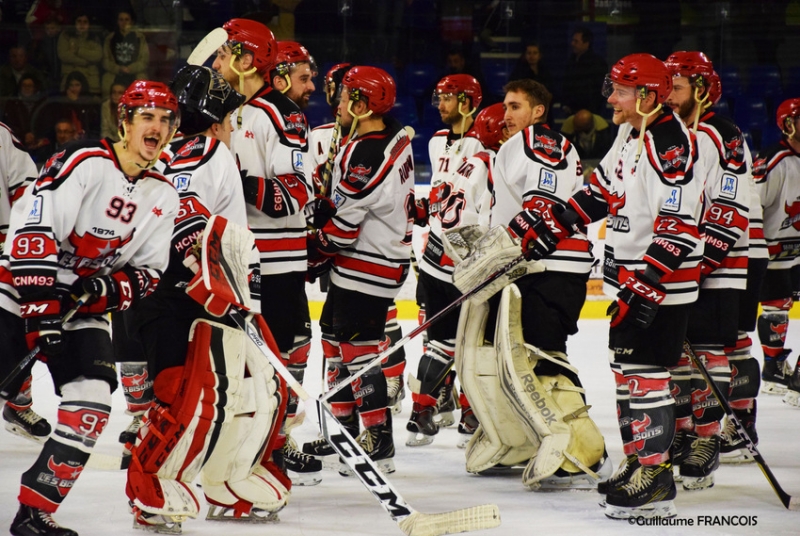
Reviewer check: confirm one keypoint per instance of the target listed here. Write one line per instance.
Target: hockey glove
(324, 210)
(438, 197)
(42, 319)
(421, 212)
(114, 292)
(541, 234)
(637, 301)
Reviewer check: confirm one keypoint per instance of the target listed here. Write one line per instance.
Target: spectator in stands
(584, 75)
(530, 66)
(80, 49)
(75, 105)
(44, 55)
(109, 125)
(19, 111)
(125, 53)
(12, 72)
(65, 132)
(456, 63)
(41, 11)
(591, 135)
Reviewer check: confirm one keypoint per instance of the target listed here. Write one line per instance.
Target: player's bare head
(250, 49)
(294, 72)
(526, 103)
(456, 96)
(148, 118)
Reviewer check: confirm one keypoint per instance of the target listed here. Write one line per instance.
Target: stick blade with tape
(207, 46)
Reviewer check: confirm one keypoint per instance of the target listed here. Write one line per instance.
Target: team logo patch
(338, 199)
(673, 202)
(54, 163)
(35, 215)
(358, 174)
(295, 121)
(730, 184)
(793, 213)
(545, 143)
(642, 431)
(181, 181)
(673, 157)
(297, 160)
(734, 149)
(547, 181)
(187, 149)
(759, 169)
(91, 252)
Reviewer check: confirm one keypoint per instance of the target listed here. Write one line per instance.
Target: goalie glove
(541, 233)
(638, 300)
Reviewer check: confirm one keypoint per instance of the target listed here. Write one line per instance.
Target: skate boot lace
(367, 439)
(640, 479)
(29, 416)
(47, 519)
(703, 449)
(292, 451)
(135, 424)
(623, 469)
(392, 387)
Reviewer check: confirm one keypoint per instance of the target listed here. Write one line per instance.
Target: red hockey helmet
(641, 71)
(714, 83)
(147, 94)
(461, 86)
(333, 82)
(489, 125)
(290, 53)
(374, 84)
(689, 64)
(787, 112)
(250, 36)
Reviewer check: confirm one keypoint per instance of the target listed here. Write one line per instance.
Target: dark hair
(80, 77)
(28, 76)
(586, 34)
(536, 92)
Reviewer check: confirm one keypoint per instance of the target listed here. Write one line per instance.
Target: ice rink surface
(432, 478)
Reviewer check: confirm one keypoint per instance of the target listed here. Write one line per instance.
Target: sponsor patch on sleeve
(181, 181)
(35, 215)
(297, 160)
(673, 202)
(547, 180)
(338, 199)
(730, 184)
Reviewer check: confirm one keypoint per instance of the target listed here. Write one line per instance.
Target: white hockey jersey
(536, 169)
(448, 152)
(204, 173)
(373, 190)
(271, 143)
(725, 157)
(17, 170)
(776, 170)
(84, 217)
(653, 207)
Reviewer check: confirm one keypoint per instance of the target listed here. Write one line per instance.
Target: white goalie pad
(478, 253)
(499, 439)
(223, 271)
(550, 409)
(233, 472)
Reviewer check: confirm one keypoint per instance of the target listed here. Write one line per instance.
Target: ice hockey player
(294, 72)
(773, 171)
(714, 319)
(369, 239)
(97, 221)
(270, 143)
(457, 97)
(18, 171)
(647, 188)
(528, 325)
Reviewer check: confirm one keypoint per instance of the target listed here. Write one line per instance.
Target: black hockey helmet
(204, 98)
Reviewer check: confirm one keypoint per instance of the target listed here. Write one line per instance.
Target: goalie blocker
(527, 416)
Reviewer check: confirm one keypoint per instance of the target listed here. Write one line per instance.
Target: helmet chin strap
(241, 85)
(356, 117)
(645, 117)
(288, 84)
(701, 104)
(463, 124)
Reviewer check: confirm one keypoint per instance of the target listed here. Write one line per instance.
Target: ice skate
(303, 469)
(421, 426)
(129, 434)
(378, 443)
(649, 493)
(26, 423)
(563, 480)
(776, 374)
(157, 523)
(733, 449)
(620, 476)
(698, 468)
(321, 449)
(792, 395)
(466, 427)
(679, 451)
(256, 515)
(395, 393)
(31, 521)
(445, 406)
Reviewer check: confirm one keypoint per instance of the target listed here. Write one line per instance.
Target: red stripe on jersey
(5, 274)
(734, 262)
(681, 275)
(726, 217)
(331, 229)
(639, 386)
(281, 244)
(394, 273)
(31, 497)
(397, 150)
(757, 232)
(573, 244)
(64, 171)
(672, 225)
(17, 194)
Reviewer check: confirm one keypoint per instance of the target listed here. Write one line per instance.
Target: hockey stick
(790, 502)
(32, 354)
(410, 521)
(207, 46)
(425, 325)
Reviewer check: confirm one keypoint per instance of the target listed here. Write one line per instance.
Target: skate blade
(736, 457)
(676, 473)
(397, 408)
(157, 524)
(663, 509)
(792, 398)
(463, 440)
(386, 467)
(23, 433)
(773, 388)
(256, 516)
(416, 439)
(698, 483)
(445, 419)
(305, 479)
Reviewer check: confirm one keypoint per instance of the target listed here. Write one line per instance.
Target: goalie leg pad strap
(196, 403)
(549, 408)
(499, 439)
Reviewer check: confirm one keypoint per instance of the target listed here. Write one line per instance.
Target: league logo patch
(673, 202)
(730, 184)
(181, 181)
(547, 181)
(35, 215)
(297, 160)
